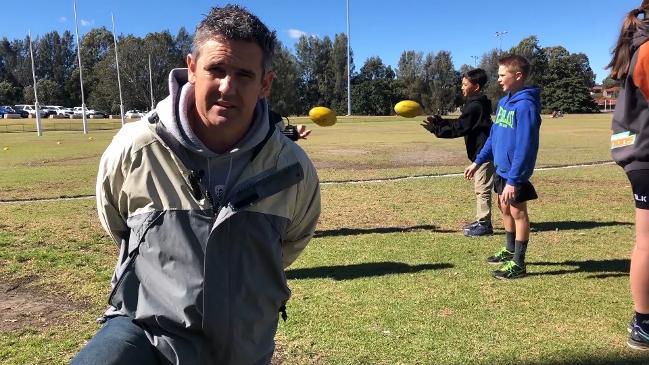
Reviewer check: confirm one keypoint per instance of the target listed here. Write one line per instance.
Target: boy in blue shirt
(513, 145)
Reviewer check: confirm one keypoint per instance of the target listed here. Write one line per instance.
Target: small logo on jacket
(640, 198)
(622, 139)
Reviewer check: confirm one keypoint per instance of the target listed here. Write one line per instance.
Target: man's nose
(227, 84)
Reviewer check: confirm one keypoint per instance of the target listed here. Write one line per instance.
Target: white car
(60, 110)
(133, 114)
(31, 109)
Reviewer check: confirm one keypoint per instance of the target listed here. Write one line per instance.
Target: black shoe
(638, 339)
(510, 271)
(479, 229)
(470, 225)
(500, 257)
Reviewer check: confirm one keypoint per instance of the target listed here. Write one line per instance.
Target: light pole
(119, 82)
(83, 100)
(475, 61)
(349, 83)
(500, 36)
(39, 129)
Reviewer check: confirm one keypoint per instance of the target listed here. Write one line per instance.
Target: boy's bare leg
(508, 219)
(521, 220)
(639, 274)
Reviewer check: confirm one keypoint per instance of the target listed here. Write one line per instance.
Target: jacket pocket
(124, 295)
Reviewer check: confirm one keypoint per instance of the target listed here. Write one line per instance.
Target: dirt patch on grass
(23, 306)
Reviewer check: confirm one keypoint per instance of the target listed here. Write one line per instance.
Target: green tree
(442, 83)
(286, 83)
(9, 94)
(489, 63)
(373, 91)
(536, 56)
(569, 81)
(410, 75)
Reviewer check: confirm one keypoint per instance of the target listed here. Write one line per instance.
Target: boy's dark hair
(477, 76)
(516, 63)
(233, 22)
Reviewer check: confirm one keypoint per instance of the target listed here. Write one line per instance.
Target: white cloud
(295, 33)
(63, 19)
(86, 23)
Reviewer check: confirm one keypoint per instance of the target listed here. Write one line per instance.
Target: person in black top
(474, 125)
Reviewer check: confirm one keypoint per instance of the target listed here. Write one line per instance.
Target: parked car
(133, 114)
(47, 110)
(5, 110)
(98, 113)
(22, 113)
(59, 110)
(31, 109)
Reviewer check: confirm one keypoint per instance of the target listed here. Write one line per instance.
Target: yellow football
(322, 116)
(408, 109)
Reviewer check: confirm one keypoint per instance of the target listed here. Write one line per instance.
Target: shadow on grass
(576, 225)
(355, 271)
(639, 359)
(601, 268)
(359, 231)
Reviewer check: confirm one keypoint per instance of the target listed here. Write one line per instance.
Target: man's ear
(191, 68)
(266, 83)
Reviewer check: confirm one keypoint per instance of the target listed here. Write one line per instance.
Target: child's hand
(508, 195)
(470, 171)
(432, 123)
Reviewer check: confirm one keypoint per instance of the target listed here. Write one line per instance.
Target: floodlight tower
(349, 83)
(500, 36)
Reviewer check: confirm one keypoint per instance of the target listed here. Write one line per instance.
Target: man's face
(508, 80)
(228, 81)
(468, 88)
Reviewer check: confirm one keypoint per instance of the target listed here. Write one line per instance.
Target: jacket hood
(641, 35)
(531, 94)
(172, 113)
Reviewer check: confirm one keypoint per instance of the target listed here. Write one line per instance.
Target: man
(208, 202)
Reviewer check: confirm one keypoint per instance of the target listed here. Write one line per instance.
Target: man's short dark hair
(476, 76)
(516, 63)
(234, 22)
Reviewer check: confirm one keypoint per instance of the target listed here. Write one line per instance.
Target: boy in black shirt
(474, 125)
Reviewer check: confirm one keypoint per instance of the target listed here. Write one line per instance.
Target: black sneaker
(510, 271)
(479, 229)
(470, 225)
(500, 257)
(638, 339)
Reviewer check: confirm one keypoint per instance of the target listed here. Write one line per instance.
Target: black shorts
(524, 191)
(639, 180)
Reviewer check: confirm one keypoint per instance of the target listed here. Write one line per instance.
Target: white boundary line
(353, 182)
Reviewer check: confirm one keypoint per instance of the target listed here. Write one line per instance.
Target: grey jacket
(206, 285)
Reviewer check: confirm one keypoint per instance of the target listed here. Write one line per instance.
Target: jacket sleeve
(486, 153)
(111, 200)
(453, 128)
(305, 215)
(527, 143)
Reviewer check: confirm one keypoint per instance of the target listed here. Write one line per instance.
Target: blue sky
(466, 28)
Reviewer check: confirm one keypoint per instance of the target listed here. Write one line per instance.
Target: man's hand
(431, 123)
(470, 171)
(508, 195)
(302, 132)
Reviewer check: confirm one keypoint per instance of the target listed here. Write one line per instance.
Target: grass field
(388, 279)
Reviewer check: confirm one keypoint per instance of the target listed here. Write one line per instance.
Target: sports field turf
(388, 279)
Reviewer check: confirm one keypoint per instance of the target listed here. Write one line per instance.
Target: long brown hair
(622, 54)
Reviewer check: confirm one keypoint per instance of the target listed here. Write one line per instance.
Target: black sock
(642, 321)
(510, 237)
(519, 252)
